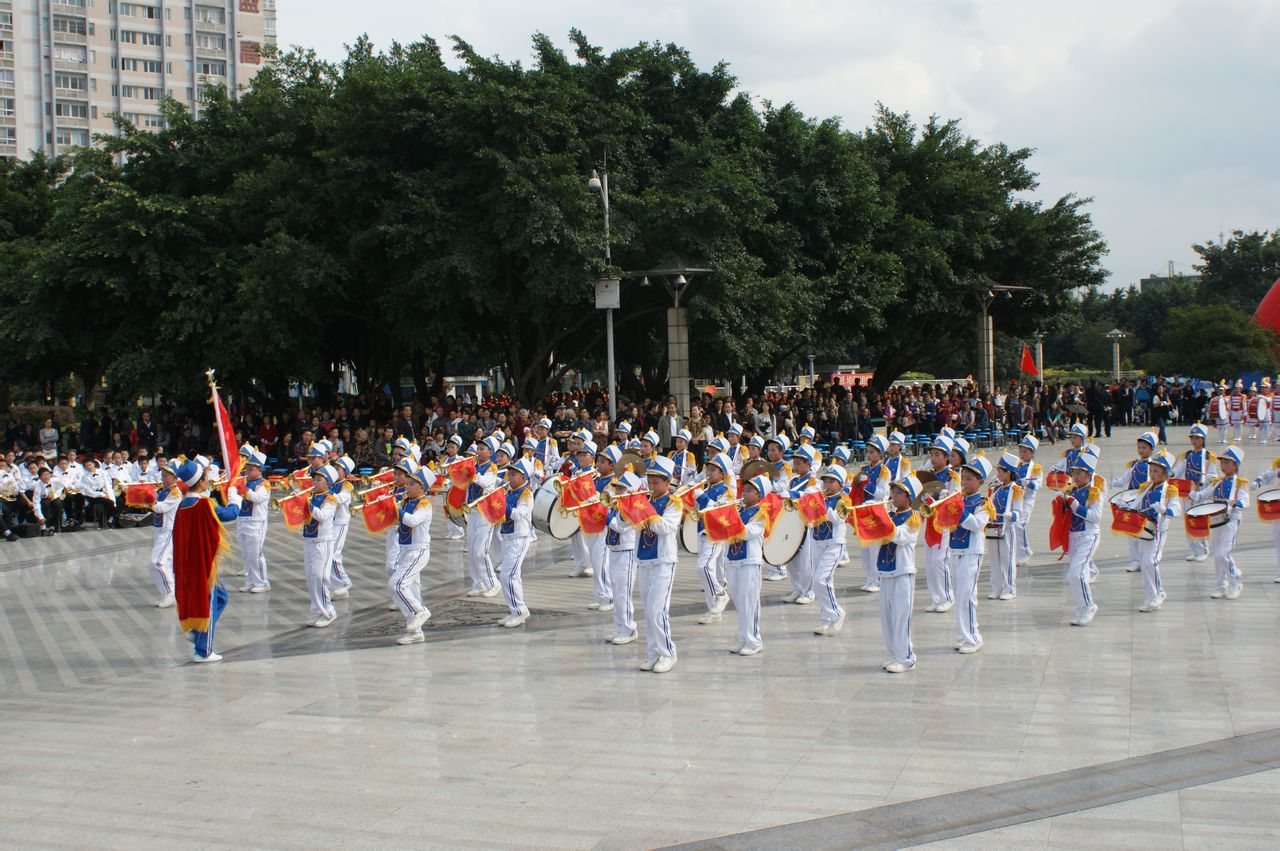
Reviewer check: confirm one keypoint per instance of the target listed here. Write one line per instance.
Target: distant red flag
(1028, 362)
(226, 433)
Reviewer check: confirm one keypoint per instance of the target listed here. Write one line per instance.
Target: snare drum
(1269, 505)
(689, 535)
(547, 516)
(995, 531)
(1200, 520)
(786, 538)
(1123, 498)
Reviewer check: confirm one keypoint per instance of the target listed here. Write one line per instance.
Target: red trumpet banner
(493, 506)
(380, 514)
(1060, 528)
(461, 473)
(636, 509)
(812, 507)
(296, 510)
(770, 508)
(872, 523)
(140, 495)
(592, 518)
(723, 523)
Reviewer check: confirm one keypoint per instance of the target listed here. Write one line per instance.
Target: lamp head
(594, 183)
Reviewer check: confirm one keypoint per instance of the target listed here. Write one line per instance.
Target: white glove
(1073, 503)
(234, 499)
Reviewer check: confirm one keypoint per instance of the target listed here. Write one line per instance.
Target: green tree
(1239, 272)
(1211, 341)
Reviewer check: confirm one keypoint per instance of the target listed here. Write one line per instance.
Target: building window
(73, 82)
(211, 41)
(71, 109)
(137, 37)
(211, 15)
(6, 78)
(249, 6)
(6, 20)
(213, 69)
(6, 107)
(71, 137)
(8, 136)
(269, 26)
(70, 53)
(76, 26)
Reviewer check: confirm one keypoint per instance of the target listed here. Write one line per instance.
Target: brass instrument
(277, 497)
(597, 501)
(679, 492)
(719, 505)
(844, 508)
(9, 490)
(470, 506)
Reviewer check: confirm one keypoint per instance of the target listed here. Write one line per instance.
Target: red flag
(456, 497)
(376, 493)
(947, 512)
(723, 523)
(386, 477)
(140, 495)
(577, 490)
(380, 514)
(1058, 480)
(1028, 365)
(872, 523)
(1183, 485)
(689, 496)
(462, 472)
(812, 508)
(592, 518)
(1060, 529)
(493, 506)
(198, 542)
(770, 508)
(932, 534)
(296, 510)
(636, 509)
(226, 433)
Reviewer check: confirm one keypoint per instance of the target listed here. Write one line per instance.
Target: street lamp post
(1115, 335)
(676, 280)
(811, 374)
(607, 291)
(988, 292)
(1039, 336)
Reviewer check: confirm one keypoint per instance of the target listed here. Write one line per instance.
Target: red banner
(581, 488)
(812, 507)
(140, 495)
(1028, 364)
(689, 496)
(1060, 528)
(493, 506)
(723, 523)
(592, 518)
(386, 477)
(636, 509)
(376, 493)
(932, 534)
(380, 514)
(872, 523)
(462, 472)
(770, 508)
(198, 543)
(456, 497)
(947, 512)
(296, 510)
(1058, 481)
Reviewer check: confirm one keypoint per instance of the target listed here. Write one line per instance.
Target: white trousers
(1149, 555)
(656, 580)
(339, 574)
(744, 590)
(937, 574)
(824, 556)
(1024, 542)
(622, 575)
(392, 551)
(1275, 540)
(252, 537)
(161, 562)
(1135, 558)
(317, 560)
(965, 567)
(580, 552)
(1221, 542)
(869, 566)
(405, 583)
(1002, 561)
(1264, 431)
(801, 568)
(897, 595)
(710, 554)
(596, 550)
(1222, 431)
(479, 564)
(513, 551)
(1083, 546)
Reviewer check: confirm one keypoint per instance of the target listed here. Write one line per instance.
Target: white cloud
(1163, 112)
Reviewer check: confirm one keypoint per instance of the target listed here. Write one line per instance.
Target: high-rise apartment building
(67, 65)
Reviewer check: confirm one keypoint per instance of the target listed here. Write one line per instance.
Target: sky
(1164, 113)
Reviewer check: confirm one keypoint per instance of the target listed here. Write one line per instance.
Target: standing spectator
(402, 426)
(764, 424)
(1160, 407)
(146, 431)
(49, 439)
(668, 426)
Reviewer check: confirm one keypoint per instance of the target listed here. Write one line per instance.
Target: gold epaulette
(1017, 491)
(1036, 469)
(913, 521)
(1095, 494)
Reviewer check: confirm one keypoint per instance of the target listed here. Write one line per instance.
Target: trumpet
(719, 505)
(679, 492)
(600, 500)
(277, 497)
(470, 506)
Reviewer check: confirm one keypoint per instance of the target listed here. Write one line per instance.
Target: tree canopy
(400, 216)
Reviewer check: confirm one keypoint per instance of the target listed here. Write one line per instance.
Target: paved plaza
(1157, 729)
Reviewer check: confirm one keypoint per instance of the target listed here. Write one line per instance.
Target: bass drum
(689, 535)
(786, 539)
(547, 516)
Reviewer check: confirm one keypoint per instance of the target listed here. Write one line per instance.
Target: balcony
(64, 65)
(72, 121)
(69, 37)
(71, 94)
(8, 120)
(211, 53)
(210, 26)
(67, 9)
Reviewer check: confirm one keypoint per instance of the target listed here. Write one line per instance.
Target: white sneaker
(340, 593)
(647, 664)
(870, 589)
(475, 592)
(586, 572)
(242, 573)
(1218, 593)
(664, 664)
(491, 591)
(393, 608)
(212, 657)
(321, 622)
(1086, 618)
(1202, 557)
(719, 604)
(737, 648)
(245, 588)
(966, 648)
(1149, 606)
(606, 607)
(834, 628)
(622, 639)
(946, 607)
(1277, 579)
(791, 598)
(993, 596)
(414, 637)
(512, 621)
(259, 589)
(594, 604)
(165, 602)
(1133, 568)
(932, 608)
(775, 577)
(416, 622)
(822, 629)
(898, 667)
(711, 617)
(805, 600)
(1007, 595)
(1234, 591)
(748, 651)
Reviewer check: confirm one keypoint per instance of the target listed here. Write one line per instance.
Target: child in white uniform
(1158, 501)
(514, 534)
(827, 549)
(620, 540)
(1084, 501)
(1006, 504)
(896, 563)
(413, 552)
(251, 526)
(966, 547)
(1232, 491)
(743, 560)
(317, 546)
(168, 497)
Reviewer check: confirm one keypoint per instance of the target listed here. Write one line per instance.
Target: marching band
(759, 510)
